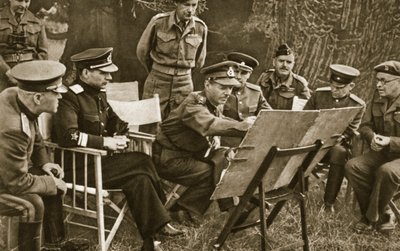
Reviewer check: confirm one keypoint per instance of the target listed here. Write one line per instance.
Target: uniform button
(336, 100)
(102, 124)
(240, 113)
(100, 112)
(238, 93)
(240, 102)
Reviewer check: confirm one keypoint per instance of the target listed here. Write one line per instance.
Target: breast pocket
(5, 30)
(165, 42)
(192, 43)
(33, 33)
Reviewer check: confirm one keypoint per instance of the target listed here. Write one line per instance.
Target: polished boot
(29, 236)
(333, 184)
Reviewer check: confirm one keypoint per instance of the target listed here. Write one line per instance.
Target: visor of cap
(109, 68)
(59, 88)
(227, 82)
(390, 67)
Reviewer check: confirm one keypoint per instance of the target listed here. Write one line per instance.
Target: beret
(283, 49)
(391, 67)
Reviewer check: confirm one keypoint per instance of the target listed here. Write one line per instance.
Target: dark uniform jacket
(384, 119)
(245, 102)
(84, 117)
(280, 96)
(190, 127)
(322, 99)
(21, 148)
(163, 46)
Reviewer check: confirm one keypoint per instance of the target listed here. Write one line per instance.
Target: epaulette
(25, 125)
(301, 79)
(161, 15)
(196, 19)
(357, 99)
(253, 86)
(200, 99)
(77, 88)
(323, 89)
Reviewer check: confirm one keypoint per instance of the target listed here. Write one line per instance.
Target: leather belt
(170, 70)
(18, 57)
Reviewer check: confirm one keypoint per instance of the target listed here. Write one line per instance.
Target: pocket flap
(91, 118)
(166, 36)
(193, 40)
(32, 29)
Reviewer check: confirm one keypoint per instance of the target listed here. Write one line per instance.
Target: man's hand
(378, 142)
(53, 169)
(116, 142)
(247, 123)
(61, 185)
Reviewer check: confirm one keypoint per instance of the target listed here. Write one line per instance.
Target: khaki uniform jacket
(281, 96)
(190, 127)
(245, 102)
(322, 99)
(21, 148)
(84, 117)
(32, 27)
(163, 43)
(384, 119)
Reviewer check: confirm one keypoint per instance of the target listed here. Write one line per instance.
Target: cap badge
(386, 68)
(230, 72)
(109, 58)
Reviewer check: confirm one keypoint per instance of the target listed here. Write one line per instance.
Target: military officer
(245, 101)
(280, 85)
(171, 46)
(86, 119)
(25, 169)
(338, 95)
(375, 175)
(22, 38)
(189, 139)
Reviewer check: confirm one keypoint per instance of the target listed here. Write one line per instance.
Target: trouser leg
(53, 223)
(29, 232)
(386, 183)
(338, 156)
(196, 175)
(136, 175)
(360, 173)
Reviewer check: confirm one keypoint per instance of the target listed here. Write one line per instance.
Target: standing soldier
(171, 46)
(280, 85)
(246, 100)
(338, 95)
(22, 38)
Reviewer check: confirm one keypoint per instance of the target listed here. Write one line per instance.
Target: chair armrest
(141, 136)
(86, 150)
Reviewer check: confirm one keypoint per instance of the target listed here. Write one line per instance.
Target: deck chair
(80, 203)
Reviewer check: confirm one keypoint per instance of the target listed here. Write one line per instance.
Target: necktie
(18, 17)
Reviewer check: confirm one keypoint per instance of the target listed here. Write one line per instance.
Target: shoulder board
(322, 89)
(196, 19)
(25, 125)
(76, 88)
(161, 15)
(301, 79)
(357, 99)
(200, 99)
(253, 86)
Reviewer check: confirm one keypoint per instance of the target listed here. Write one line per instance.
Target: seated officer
(280, 85)
(86, 119)
(375, 175)
(338, 95)
(245, 101)
(25, 169)
(189, 139)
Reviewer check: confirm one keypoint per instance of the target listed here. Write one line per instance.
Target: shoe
(388, 222)
(363, 226)
(328, 208)
(70, 245)
(169, 230)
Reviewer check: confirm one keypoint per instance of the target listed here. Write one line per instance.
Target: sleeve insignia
(74, 136)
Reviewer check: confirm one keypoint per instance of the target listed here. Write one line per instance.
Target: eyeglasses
(384, 82)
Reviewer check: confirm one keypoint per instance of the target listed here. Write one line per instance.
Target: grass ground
(326, 232)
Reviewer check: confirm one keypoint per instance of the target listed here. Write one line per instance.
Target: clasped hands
(55, 171)
(378, 142)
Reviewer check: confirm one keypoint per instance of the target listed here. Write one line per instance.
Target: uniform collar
(25, 110)
(394, 105)
(172, 21)
(88, 89)
(275, 80)
(28, 16)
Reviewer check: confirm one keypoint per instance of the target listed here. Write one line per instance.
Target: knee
(387, 172)
(38, 205)
(349, 168)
